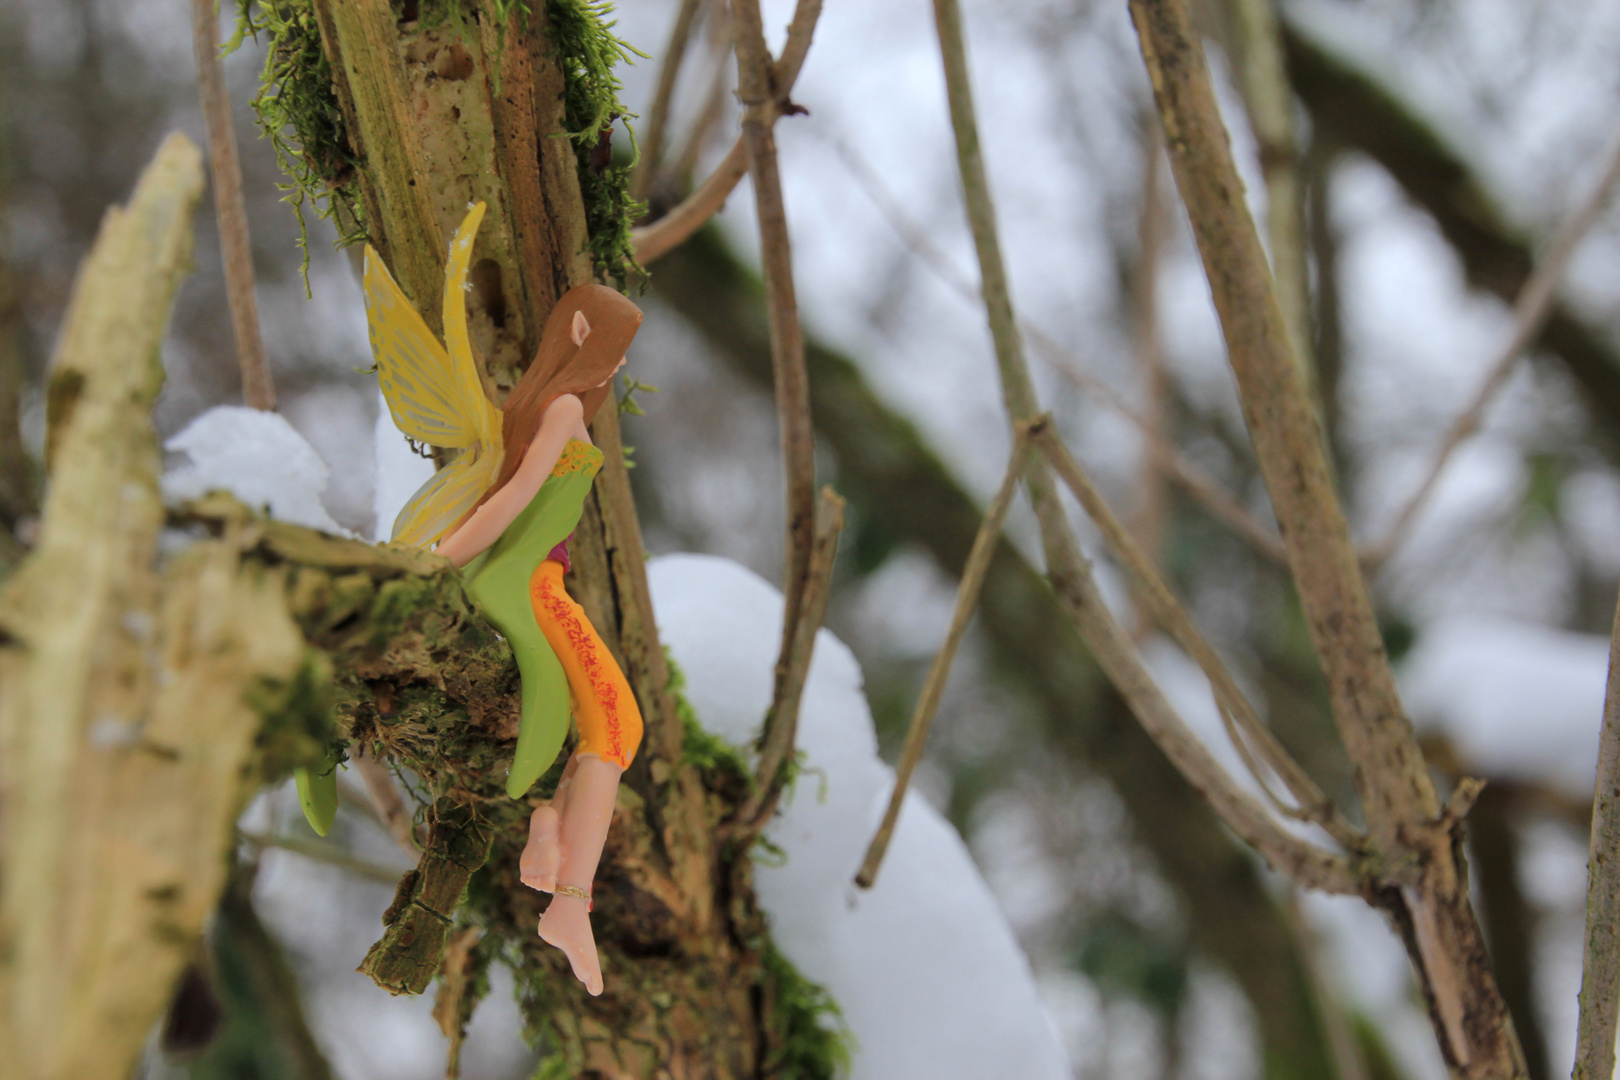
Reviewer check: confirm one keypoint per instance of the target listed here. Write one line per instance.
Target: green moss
(589, 51)
(297, 712)
(551, 1067)
(809, 1038)
(298, 112)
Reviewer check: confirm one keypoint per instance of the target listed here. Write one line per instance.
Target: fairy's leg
(604, 706)
(610, 732)
(584, 828)
(543, 853)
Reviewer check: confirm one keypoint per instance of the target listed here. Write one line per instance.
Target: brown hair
(561, 367)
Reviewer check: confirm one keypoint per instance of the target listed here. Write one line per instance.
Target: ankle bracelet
(576, 891)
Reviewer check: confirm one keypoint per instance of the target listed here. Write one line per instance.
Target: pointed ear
(581, 328)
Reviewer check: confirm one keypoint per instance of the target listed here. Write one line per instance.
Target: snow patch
(257, 457)
(925, 967)
(400, 471)
(1518, 701)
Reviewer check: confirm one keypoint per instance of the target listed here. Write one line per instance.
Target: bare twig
(321, 851)
(1270, 105)
(764, 95)
(234, 245)
(652, 137)
(1530, 311)
(713, 107)
(1067, 569)
(967, 599)
(782, 721)
(1411, 849)
(1600, 974)
(754, 89)
(1243, 723)
(386, 801)
(1162, 451)
(1285, 430)
(1150, 512)
(674, 228)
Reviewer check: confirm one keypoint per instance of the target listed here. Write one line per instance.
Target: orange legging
(609, 721)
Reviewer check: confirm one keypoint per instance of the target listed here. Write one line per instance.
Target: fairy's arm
(563, 419)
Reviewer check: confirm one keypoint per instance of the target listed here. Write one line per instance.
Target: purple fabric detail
(560, 553)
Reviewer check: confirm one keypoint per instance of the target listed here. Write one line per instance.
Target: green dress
(498, 582)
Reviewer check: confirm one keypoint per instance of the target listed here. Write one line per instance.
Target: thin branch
(1149, 515)
(1243, 723)
(967, 599)
(669, 70)
(1412, 844)
(689, 215)
(1269, 102)
(754, 90)
(1530, 312)
(715, 100)
(782, 721)
(766, 99)
(1600, 972)
(1394, 782)
(1068, 571)
(386, 801)
(236, 249)
(321, 851)
(1162, 451)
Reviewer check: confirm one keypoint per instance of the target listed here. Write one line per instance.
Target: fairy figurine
(502, 510)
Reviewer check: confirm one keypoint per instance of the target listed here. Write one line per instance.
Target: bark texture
(126, 739)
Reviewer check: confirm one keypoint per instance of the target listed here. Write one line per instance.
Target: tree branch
(1349, 107)
(669, 70)
(967, 599)
(773, 82)
(1394, 782)
(1600, 969)
(1423, 882)
(122, 689)
(322, 851)
(782, 721)
(1530, 313)
(235, 248)
(1067, 569)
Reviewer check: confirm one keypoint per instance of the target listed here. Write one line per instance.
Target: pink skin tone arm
(564, 419)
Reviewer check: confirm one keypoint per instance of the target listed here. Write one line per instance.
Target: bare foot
(567, 925)
(543, 853)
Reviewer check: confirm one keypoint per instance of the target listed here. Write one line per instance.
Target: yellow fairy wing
(450, 493)
(434, 390)
(475, 405)
(412, 367)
